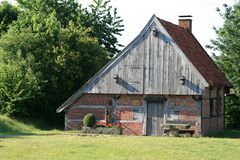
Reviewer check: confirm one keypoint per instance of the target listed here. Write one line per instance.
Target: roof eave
(82, 90)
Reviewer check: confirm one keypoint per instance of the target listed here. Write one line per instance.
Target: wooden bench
(178, 130)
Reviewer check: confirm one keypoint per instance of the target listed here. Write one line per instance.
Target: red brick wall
(129, 128)
(93, 99)
(97, 102)
(79, 113)
(73, 125)
(188, 115)
(182, 101)
(124, 113)
(132, 128)
(102, 99)
(127, 99)
(188, 111)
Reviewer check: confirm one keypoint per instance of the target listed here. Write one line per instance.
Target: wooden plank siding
(213, 119)
(148, 65)
(152, 65)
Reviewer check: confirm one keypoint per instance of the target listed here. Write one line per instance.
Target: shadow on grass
(22, 135)
(40, 123)
(227, 133)
(10, 130)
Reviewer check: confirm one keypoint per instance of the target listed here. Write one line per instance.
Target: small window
(173, 113)
(136, 102)
(137, 114)
(211, 108)
(214, 107)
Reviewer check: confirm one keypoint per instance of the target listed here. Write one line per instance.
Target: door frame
(153, 98)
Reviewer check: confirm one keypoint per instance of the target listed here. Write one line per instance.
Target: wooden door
(154, 118)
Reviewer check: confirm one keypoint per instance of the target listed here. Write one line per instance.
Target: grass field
(72, 146)
(60, 145)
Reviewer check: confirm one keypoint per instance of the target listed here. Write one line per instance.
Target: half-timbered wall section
(184, 110)
(213, 110)
(161, 80)
(127, 111)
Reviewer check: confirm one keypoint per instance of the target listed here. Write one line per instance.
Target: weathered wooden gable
(151, 64)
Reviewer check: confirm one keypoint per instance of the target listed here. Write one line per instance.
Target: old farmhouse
(162, 79)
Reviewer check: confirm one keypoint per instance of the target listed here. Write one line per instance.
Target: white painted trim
(75, 106)
(121, 121)
(128, 106)
(145, 117)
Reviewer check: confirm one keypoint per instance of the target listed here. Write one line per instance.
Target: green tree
(227, 44)
(52, 54)
(65, 57)
(103, 20)
(8, 14)
(66, 10)
(232, 111)
(17, 84)
(105, 23)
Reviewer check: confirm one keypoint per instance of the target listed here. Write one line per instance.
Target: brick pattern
(93, 99)
(123, 111)
(186, 115)
(182, 101)
(127, 99)
(103, 99)
(186, 23)
(131, 128)
(79, 113)
(73, 125)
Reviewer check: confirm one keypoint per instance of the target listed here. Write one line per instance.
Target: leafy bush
(89, 120)
(232, 111)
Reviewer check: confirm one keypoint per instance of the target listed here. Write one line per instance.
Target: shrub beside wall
(89, 120)
(102, 130)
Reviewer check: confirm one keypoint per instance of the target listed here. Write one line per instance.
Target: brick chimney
(186, 22)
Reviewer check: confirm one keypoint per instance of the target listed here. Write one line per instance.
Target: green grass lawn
(19, 141)
(73, 146)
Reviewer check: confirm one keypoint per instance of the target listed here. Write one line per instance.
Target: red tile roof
(196, 54)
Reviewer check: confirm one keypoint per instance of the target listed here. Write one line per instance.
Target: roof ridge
(173, 24)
